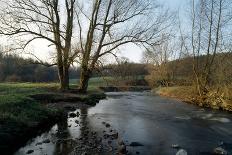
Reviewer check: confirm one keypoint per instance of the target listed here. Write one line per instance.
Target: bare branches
(115, 23)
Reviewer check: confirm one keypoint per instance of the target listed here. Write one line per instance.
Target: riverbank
(125, 88)
(27, 109)
(188, 94)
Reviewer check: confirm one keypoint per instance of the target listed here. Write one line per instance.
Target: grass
(95, 81)
(215, 98)
(181, 92)
(17, 106)
(20, 115)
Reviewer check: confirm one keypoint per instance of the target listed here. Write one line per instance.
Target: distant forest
(14, 68)
(179, 72)
(17, 69)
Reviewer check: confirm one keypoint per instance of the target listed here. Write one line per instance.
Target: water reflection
(62, 138)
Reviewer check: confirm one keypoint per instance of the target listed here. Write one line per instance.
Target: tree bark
(84, 80)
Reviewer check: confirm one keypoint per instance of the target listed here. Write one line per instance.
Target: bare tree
(28, 20)
(158, 58)
(115, 23)
(205, 39)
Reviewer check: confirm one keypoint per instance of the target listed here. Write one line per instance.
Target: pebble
(220, 151)
(175, 146)
(107, 125)
(46, 141)
(182, 152)
(72, 115)
(78, 114)
(39, 143)
(30, 151)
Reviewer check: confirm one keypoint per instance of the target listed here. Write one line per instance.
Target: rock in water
(30, 151)
(134, 144)
(175, 146)
(46, 141)
(72, 115)
(107, 125)
(220, 151)
(182, 152)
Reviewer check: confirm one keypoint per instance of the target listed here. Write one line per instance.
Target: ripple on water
(183, 117)
(221, 119)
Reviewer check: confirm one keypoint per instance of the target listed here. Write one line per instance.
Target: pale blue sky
(135, 53)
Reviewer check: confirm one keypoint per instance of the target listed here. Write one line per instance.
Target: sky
(132, 52)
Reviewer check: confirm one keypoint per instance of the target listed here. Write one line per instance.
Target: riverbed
(155, 122)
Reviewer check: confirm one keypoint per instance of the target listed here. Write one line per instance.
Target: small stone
(182, 152)
(70, 126)
(76, 121)
(46, 141)
(39, 143)
(134, 144)
(106, 136)
(107, 125)
(72, 115)
(175, 146)
(78, 114)
(103, 122)
(220, 151)
(137, 152)
(30, 151)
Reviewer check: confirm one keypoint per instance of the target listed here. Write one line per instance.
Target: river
(156, 122)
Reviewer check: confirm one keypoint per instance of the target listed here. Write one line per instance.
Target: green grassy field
(17, 106)
(95, 81)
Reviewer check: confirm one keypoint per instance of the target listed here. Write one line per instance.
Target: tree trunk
(66, 77)
(84, 80)
(63, 73)
(64, 81)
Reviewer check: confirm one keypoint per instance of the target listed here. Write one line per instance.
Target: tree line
(17, 69)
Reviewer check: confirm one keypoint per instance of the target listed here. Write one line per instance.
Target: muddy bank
(54, 108)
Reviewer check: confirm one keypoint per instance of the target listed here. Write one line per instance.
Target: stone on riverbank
(220, 151)
(182, 152)
(30, 151)
(72, 115)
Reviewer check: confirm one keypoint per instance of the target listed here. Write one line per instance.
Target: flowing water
(154, 121)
